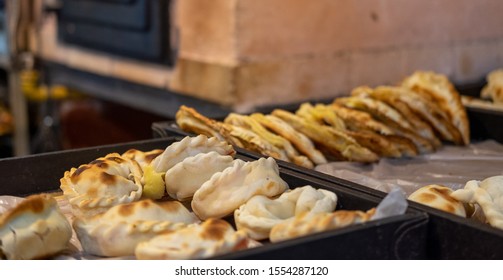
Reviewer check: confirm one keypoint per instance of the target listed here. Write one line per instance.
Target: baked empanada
(284, 147)
(389, 116)
(210, 238)
(488, 194)
(188, 119)
(306, 224)
(229, 189)
(437, 87)
(186, 177)
(303, 144)
(438, 197)
(187, 147)
(396, 98)
(334, 142)
(35, 228)
(118, 231)
(143, 158)
(93, 188)
(494, 88)
(259, 214)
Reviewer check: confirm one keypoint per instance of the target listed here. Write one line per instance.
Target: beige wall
(246, 53)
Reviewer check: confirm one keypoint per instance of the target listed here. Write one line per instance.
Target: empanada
(188, 119)
(437, 87)
(229, 189)
(488, 194)
(118, 231)
(259, 214)
(187, 147)
(93, 188)
(186, 177)
(494, 88)
(306, 224)
(396, 98)
(143, 158)
(438, 197)
(303, 144)
(210, 238)
(284, 147)
(35, 228)
(334, 142)
(389, 116)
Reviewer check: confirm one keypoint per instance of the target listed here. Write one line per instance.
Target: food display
(416, 117)
(229, 205)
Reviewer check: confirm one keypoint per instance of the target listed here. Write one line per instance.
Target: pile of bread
(415, 117)
(486, 195)
(170, 204)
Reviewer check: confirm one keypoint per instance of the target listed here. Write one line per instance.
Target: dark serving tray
(449, 236)
(398, 237)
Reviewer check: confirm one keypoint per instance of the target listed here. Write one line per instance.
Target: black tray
(449, 236)
(399, 237)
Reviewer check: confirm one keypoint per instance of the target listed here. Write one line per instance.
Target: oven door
(133, 28)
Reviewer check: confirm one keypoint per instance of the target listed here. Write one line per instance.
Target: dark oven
(134, 28)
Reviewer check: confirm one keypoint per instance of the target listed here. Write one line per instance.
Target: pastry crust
(93, 188)
(338, 144)
(229, 189)
(426, 109)
(303, 144)
(186, 177)
(210, 238)
(143, 158)
(437, 87)
(488, 194)
(389, 116)
(259, 214)
(117, 232)
(395, 97)
(188, 119)
(187, 147)
(306, 224)
(35, 228)
(438, 197)
(285, 148)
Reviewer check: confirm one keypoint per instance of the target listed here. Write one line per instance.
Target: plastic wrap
(451, 166)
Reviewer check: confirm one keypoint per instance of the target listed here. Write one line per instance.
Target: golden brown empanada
(35, 228)
(94, 187)
(210, 238)
(117, 231)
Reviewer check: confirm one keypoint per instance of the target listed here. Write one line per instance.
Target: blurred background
(78, 73)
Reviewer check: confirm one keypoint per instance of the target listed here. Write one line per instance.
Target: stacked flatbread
(401, 121)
